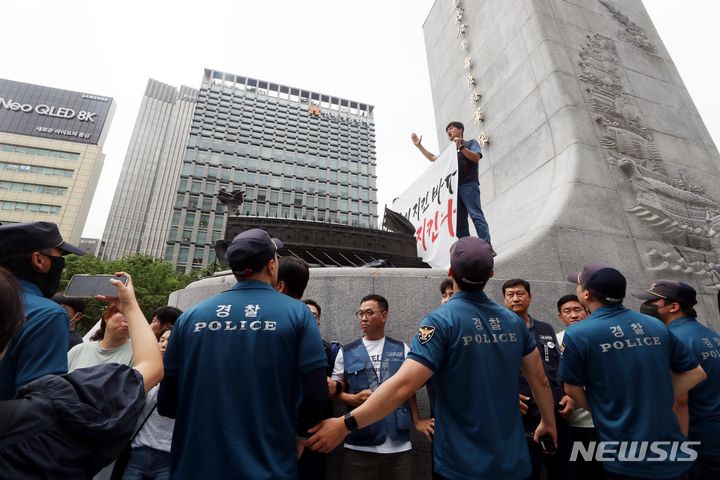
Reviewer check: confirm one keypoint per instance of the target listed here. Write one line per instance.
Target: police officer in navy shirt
(34, 253)
(626, 368)
(699, 409)
(245, 371)
(473, 349)
(517, 297)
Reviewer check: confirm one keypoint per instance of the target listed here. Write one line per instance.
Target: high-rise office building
(296, 154)
(50, 154)
(140, 212)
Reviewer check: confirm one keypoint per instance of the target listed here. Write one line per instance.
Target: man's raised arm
(417, 141)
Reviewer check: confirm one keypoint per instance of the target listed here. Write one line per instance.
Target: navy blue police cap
(606, 283)
(471, 260)
(32, 237)
(672, 290)
(250, 250)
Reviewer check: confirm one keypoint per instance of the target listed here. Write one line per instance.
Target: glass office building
(296, 154)
(139, 217)
(51, 154)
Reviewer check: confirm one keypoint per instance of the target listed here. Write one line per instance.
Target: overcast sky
(367, 50)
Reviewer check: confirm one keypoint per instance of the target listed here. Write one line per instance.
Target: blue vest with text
(360, 375)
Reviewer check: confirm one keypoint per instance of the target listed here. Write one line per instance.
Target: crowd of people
(249, 385)
(241, 385)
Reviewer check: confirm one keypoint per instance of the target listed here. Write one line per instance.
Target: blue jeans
(147, 463)
(469, 204)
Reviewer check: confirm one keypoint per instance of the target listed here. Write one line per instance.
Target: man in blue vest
(699, 409)
(380, 450)
(626, 368)
(245, 372)
(473, 349)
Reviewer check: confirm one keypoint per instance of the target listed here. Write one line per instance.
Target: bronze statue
(233, 200)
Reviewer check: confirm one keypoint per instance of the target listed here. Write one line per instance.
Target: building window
(30, 207)
(33, 188)
(23, 168)
(39, 152)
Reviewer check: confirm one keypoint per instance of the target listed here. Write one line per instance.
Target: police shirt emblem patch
(425, 334)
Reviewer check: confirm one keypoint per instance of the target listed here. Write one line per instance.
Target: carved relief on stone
(478, 116)
(633, 34)
(467, 64)
(459, 14)
(673, 204)
(456, 3)
(704, 266)
(470, 80)
(465, 44)
(461, 29)
(475, 96)
(483, 139)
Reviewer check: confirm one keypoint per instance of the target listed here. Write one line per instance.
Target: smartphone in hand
(88, 286)
(547, 445)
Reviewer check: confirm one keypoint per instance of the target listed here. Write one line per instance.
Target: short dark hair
(565, 299)
(686, 309)
(514, 282)
(12, 316)
(309, 301)
(166, 315)
(18, 264)
(455, 124)
(445, 284)
(77, 304)
(295, 272)
(381, 301)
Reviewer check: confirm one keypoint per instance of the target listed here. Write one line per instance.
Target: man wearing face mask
(698, 410)
(75, 308)
(33, 252)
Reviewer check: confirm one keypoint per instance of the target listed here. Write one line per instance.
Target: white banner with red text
(430, 204)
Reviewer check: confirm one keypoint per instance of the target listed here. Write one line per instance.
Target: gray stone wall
(596, 151)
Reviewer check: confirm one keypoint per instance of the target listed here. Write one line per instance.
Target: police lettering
(630, 343)
(710, 354)
(243, 325)
(489, 338)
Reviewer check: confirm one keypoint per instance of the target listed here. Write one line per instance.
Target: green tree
(153, 279)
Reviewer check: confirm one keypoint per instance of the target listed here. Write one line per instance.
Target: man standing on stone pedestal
(582, 428)
(626, 369)
(517, 297)
(468, 156)
(699, 409)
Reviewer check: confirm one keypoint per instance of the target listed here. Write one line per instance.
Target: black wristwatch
(350, 422)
